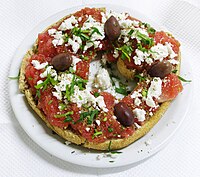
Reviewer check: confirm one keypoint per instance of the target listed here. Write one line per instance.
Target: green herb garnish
(110, 129)
(50, 101)
(184, 80)
(64, 115)
(145, 39)
(96, 94)
(141, 78)
(126, 52)
(144, 93)
(97, 133)
(121, 90)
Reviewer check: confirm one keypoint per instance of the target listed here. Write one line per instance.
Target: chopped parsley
(126, 52)
(110, 129)
(64, 115)
(181, 78)
(184, 80)
(90, 115)
(97, 133)
(13, 77)
(95, 30)
(62, 106)
(121, 90)
(141, 78)
(145, 39)
(144, 92)
(46, 82)
(96, 94)
(50, 101)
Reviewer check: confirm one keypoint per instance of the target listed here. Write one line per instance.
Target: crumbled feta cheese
(96, 44)
(154, 91)
(137, 125)
(87, 97)
(87, 129)
(37, 64)
(52, 31)
(116, 53)
(39, 82)
(98, 122)
(126, 23)
(103, 79)
(136, 94)
(150, 113)
(58, 37)
(140, 57)
(51, 71)
(68, 23)
(159, 52)
(172, 54)
(147, 142)
(76, 42)
(174, 62)
(75, 60)
(65, 79)
(137, 101)
(140, 114)
(67, 143)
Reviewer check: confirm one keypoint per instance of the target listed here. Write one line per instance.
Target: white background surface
(20, 156)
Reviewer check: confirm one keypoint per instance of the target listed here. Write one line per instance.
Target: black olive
(62, 61)
(124, 114)
(160, 69)
(112, 28)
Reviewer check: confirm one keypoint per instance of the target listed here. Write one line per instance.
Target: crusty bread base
(75, 138)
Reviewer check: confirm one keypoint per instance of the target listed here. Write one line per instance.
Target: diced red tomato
(45, 45)
(171, 87)
(108, 99)
(162, 37)
(49, 104)
(110, 57)
(82, 69)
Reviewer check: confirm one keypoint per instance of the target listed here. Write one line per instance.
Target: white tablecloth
(20, 156)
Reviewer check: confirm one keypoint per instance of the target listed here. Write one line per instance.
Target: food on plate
(101, 79)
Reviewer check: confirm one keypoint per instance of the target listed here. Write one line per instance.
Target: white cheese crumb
(137, 101)
(87, 129)
(140, 57)
(68, 23)
(147, 142)
(58, 37)
(98, 122)
(67, 143)
(116, 53)
(103, 79)
(52, 31)
(137, 125)
(172, 54)
(39, 82)
(140, 114)
(155, 90)
(76, 42)
(174, 62)
(75, 60)
(150, 113)
(37, 64)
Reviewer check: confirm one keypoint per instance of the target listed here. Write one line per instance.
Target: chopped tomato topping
(82, 69)
(45, 45)
(171, 87)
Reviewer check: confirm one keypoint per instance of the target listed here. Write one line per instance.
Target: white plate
(136, 152)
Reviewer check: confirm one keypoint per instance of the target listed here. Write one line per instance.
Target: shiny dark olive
(112, 28)
(160, 69)
(124, 114)
(62, 61)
